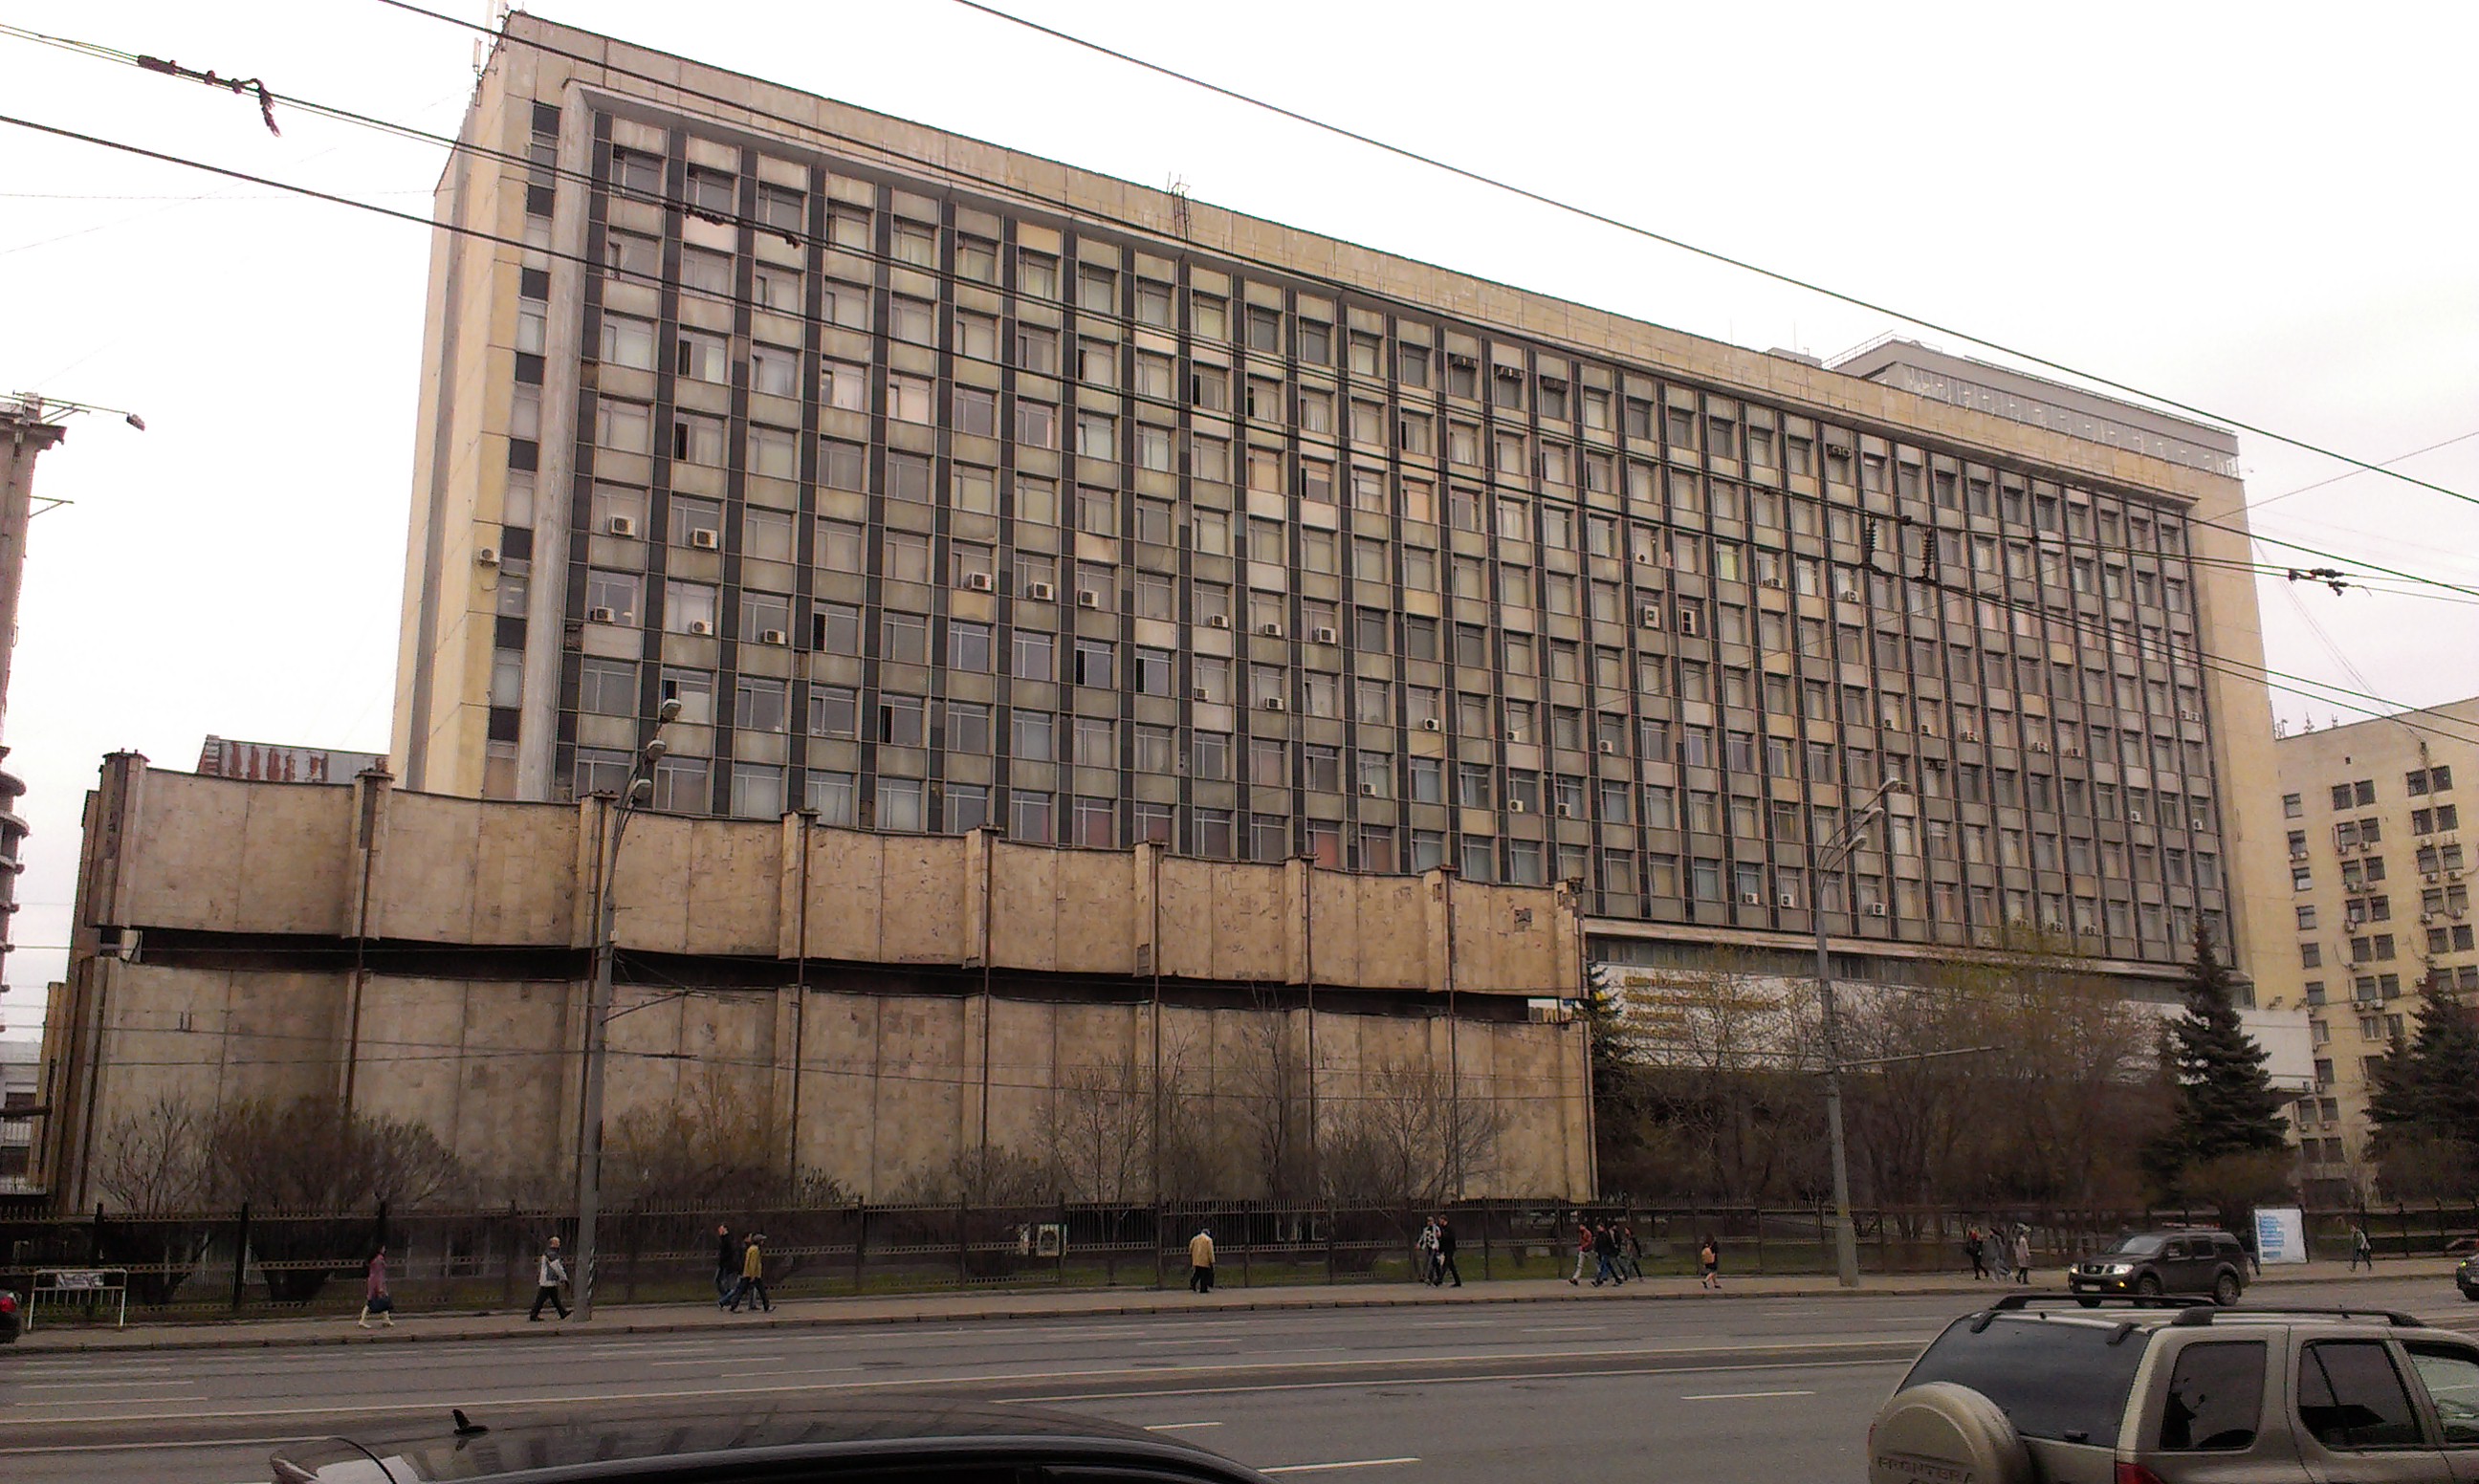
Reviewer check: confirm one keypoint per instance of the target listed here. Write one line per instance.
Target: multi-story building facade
(944, 486)
(2381, 882)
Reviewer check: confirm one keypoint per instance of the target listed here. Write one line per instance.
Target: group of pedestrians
(1609, 1251)
(1999, 1252)
(740, 1271)
(1437, 1245)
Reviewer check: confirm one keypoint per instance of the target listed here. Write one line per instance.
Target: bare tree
(1407, 1137)
(713, 1138)
(1724, 1053)
(154, 1161)
(1267, 1110)
(1100, 1140)
(314, 1154)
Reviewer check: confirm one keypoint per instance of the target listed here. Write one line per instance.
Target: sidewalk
(1021, 1304)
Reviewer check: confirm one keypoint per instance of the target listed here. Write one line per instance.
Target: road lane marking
(1742, 1396)
(62, 1386)
(186, 1443)
(1033, 1378)
(1492, 1380)
(787, 1370)
(1199, 1339)
(1177, 1426)
(1349, 1463)
(1561, 1329)
(713, 1359)
(80, 1401)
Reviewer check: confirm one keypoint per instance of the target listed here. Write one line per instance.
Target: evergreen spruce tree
(2225, 1104)
(2425, 1092)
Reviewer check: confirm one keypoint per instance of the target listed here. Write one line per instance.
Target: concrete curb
(847, 1313)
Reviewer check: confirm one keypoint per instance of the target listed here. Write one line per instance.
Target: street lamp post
(638, 792)
(1832, 853)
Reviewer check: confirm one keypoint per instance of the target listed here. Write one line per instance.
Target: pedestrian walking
(1711, 1259)
(375, 1298)
(1605, 1256)
(1630, 1251)
(1200, 1261)
(2023, 1254)
(2361, 1250)
(1971, 1250)
(1426, 1246)
(1583, 1252)
(2001, 1265)
(1446, 1250)
(753, 1276)
(727, 1266)
(550, 1272)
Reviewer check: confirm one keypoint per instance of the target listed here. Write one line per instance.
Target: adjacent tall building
(2380, 897)
(945, 486)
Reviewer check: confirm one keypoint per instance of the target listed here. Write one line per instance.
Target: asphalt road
(1759, 1390)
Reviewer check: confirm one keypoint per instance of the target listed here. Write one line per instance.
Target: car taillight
(2135, 1474)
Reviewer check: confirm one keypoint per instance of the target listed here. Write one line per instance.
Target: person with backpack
(550, 1272)
(1425, 1246)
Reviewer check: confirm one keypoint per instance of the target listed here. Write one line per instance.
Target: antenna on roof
(1179, 219)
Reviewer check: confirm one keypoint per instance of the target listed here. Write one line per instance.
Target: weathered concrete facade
(888, 996)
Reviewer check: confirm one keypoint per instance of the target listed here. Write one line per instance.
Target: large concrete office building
(944, 485)
(2380, 895)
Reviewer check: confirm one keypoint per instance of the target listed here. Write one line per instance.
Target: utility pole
(28, 428)
(1828, 856)
(638, 792)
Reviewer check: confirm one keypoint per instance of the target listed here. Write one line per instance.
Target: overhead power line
(1603, 219)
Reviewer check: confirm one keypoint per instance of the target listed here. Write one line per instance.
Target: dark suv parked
(2166, 1261)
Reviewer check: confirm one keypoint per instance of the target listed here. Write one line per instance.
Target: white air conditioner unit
(486, 556)
(1786, 899)
(1218, 621)
(1609, 749)
(979, 582)
(600, 616)
(2453, 875)
(1369, 790)
(1651, 618)
(1270, 631)
(1876, 909)
(1322, 636)
(1199, 694)
(1088, 599)
(2039, 746)
(700, 627)
(1968, 735)
(1272, 703)
(2185, 715)
(1769, 581)
(1514, 806)
(1848, 595)
(1514, 736)
(2135, 817)
(1429, 724)
(706, 540)
(1566, 811)
(2073, 751)
(2195, 823)
(621, 525)
(774, 636)
(1751, 898)
(2426, 918)
(2429, 878)
(1042, 592)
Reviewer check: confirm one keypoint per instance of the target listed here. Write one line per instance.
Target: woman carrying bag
(374, 1292)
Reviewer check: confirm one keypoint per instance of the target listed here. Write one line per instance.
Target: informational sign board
(2280, 1235)
(94, 1279)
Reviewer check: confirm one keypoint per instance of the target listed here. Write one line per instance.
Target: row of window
(2360, 794)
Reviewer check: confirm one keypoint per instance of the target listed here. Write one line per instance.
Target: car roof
(2111, 1313)
(551, 1447)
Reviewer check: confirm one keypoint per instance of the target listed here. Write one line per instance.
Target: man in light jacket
(1200, 1261)
(550, 1272)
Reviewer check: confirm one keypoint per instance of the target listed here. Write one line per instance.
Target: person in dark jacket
(1447, 1253)
(1605, 1250)
(727, 1266)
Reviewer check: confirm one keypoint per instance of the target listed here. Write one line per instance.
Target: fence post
(509, 1269)
(1486, 1213)
(635, 1217)
(241, 1256)
(1327, 1211)
(860, 1244)
(961, 1276)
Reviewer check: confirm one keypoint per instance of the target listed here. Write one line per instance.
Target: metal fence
(215, 1264)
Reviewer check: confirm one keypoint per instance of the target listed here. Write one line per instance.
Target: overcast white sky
(2249, 208)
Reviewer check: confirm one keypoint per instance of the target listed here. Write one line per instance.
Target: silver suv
(2036, 1391)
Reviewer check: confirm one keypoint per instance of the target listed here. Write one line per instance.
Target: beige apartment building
(946, 487)
(2381, 881)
